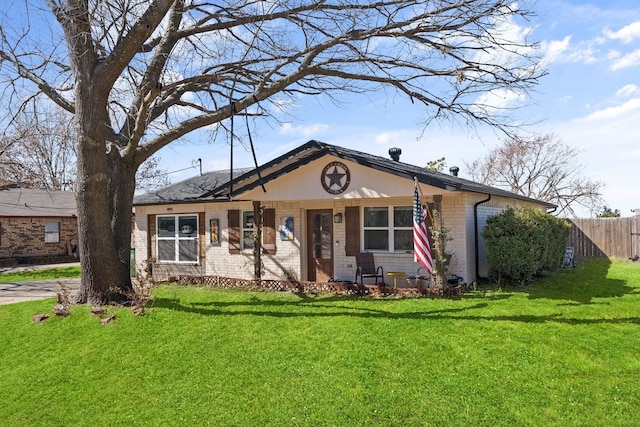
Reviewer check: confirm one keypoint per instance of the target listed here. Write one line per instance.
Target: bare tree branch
(138, 75)
(541, 168)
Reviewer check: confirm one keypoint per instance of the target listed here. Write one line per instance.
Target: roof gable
(245, 180)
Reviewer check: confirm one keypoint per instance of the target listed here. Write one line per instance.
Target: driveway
(40, 289)
(27, 291)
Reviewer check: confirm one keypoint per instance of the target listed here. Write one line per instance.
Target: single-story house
(319, 205)
(37, 225)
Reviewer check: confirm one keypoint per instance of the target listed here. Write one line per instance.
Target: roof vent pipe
(454, 170)
(395, 154)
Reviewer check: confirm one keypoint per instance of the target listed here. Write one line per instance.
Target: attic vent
(454, 170)
(395, 154)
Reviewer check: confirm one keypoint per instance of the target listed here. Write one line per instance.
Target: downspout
(477, 235)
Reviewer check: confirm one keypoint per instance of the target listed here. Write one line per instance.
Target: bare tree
(542, 168)
(150, 176)
(140, 75)
(38, 151)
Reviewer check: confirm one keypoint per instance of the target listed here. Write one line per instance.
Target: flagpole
(415, 179)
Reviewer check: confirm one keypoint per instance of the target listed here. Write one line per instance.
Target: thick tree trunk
(105, 176)
(121, 189)
(104, 228)
(98, 255)
(104, 198)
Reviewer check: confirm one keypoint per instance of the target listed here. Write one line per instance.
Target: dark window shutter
(151, 236)
(269, 231)
(202, 235)
(352, 224)
(235, 233)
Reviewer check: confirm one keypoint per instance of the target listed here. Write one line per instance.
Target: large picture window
(388, 228)
(51, 232)
(177, 238)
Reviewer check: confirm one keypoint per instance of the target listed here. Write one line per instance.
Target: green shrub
(523, 243)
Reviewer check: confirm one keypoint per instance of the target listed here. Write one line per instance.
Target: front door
(320, 245)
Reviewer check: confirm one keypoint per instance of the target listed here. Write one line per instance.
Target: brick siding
(24, 237)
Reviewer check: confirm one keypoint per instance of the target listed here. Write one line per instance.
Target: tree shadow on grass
(325, 306)
(586, 284)
(580, 285)
(328, 307)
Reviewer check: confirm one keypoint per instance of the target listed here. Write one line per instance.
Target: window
(51, 232)
(388, 228)
(248, 239)
(376, 228)
(177, 238)
(241, 231)
(403, 228)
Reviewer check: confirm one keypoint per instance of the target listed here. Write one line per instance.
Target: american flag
(421, 248)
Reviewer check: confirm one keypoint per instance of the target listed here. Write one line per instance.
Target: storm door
(319, 245)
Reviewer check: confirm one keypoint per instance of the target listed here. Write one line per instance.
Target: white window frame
(52, 236)
(177, 238)
(389, 228)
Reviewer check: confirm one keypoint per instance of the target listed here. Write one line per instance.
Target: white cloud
(395, 137)
(564, 51)
(608, 150)
(555, 49)
(498, 99)
(507, 32)
(628, 60)
(613, 54)
(615, 112)
(590, 51)
(627, 91)
(306, 131)
(626, 34)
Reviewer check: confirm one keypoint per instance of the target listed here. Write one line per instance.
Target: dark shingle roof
(27, 202)
(215, 185)
(189, 189)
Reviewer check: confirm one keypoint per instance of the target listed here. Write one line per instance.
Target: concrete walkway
(13, 292)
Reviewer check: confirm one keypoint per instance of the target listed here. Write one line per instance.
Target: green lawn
(44, 274)
(563, 352)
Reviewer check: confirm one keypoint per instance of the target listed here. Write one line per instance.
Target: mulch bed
(300, 286)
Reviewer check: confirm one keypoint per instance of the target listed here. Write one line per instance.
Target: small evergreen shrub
(523, 243)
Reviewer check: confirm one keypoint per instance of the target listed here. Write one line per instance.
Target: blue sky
(590, 100)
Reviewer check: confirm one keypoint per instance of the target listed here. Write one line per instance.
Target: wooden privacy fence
(605, 237)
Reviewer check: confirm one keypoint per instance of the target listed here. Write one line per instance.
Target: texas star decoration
(335, 178)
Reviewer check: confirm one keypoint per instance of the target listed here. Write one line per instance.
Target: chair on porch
(366, 268)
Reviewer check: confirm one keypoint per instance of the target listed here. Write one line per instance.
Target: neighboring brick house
(37, 226)
(320, 205)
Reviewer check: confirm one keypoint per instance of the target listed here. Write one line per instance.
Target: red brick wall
(21, 236)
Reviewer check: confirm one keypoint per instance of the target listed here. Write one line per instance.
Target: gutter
(476, 235)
